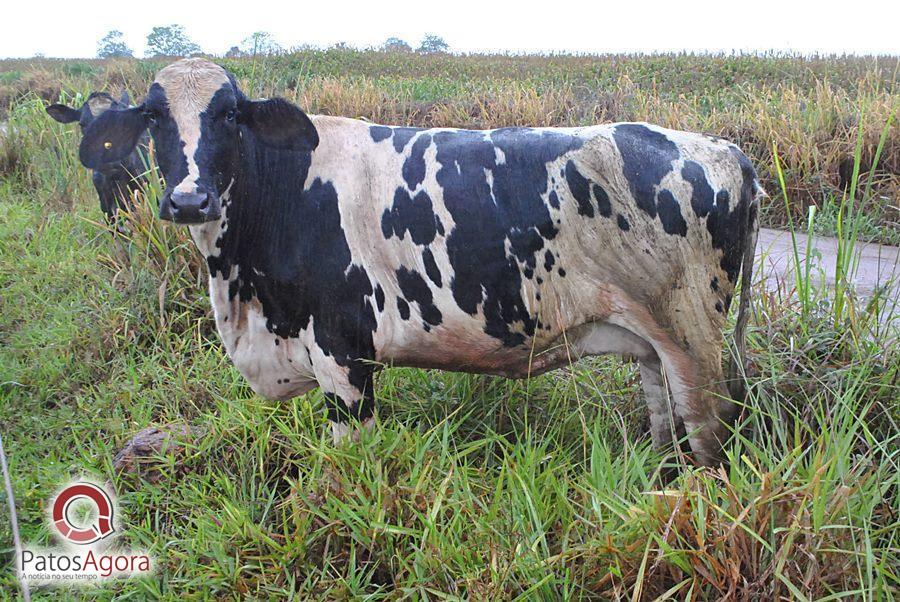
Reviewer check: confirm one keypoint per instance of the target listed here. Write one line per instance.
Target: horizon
(772, 53)
(773, 27)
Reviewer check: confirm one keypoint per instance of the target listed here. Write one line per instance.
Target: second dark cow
(115, 181)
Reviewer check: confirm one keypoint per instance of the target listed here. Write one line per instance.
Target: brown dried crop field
(812, 110)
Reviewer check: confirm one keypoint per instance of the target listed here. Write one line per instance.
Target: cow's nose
(192, 207)
(190, 201)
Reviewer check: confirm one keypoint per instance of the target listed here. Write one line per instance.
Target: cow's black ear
(111, 137)
(124, 100)
(63, 114)
(279, 124)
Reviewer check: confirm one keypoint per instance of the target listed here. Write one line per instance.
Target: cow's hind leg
(694, 377)
(701, 397)
(696, 394)
(601, 337)
(666, 427)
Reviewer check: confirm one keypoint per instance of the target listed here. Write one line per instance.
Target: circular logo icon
(93, 494)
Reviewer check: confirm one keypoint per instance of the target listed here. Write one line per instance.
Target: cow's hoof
(342, 431)
(144, 454)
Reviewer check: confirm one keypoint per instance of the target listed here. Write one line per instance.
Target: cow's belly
(478, 353)
(452, 354)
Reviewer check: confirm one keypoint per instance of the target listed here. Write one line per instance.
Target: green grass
(469, 487)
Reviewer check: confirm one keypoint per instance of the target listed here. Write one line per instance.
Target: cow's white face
(197, 116)
(190, 100)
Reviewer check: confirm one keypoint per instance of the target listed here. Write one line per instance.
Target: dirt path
(878, 264)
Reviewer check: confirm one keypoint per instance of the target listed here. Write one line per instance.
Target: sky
(72, 29)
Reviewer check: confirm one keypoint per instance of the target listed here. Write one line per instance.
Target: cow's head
(109, 178)
(198, 118)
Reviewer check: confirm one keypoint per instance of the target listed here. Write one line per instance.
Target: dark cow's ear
(124, 100)
(63, 114)
(279, 124)
(111, 137)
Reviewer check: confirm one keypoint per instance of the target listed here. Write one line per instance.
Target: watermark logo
(82, 517)
(104, 508)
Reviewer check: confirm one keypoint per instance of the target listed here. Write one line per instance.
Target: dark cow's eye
(230, 115)
(150, 116)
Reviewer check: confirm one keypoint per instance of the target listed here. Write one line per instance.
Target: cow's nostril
(205, 203)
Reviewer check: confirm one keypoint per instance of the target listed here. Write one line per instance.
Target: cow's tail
(736, 367)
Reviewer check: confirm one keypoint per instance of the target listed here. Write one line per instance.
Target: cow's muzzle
(190, 207)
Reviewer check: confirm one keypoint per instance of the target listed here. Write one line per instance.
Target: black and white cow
(116, 181)
(335, 246)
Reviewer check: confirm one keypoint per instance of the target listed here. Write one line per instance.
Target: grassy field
(470, 487)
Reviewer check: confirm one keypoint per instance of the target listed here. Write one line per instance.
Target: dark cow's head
(199, 120)
(111, 179)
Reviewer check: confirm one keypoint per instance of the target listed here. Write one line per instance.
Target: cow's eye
(230, 115)
(150, 116)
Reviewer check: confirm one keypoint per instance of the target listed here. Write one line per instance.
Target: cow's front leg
(349, 397)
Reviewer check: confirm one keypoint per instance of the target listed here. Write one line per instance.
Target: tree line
(173, 40)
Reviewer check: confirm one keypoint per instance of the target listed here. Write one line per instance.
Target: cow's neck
(254, 245)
